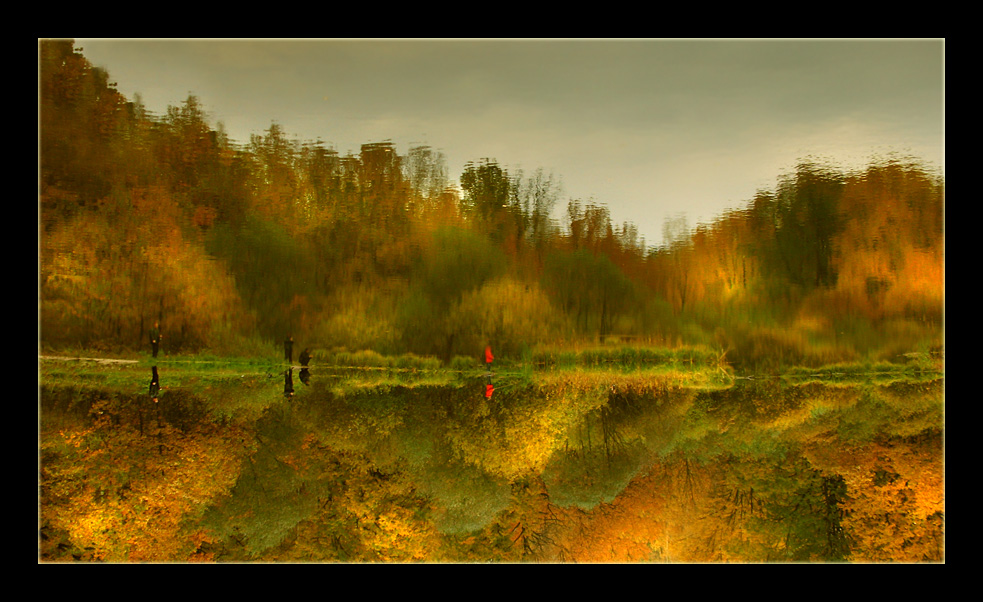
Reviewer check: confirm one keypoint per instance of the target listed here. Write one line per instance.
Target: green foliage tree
(488, 199)
(270, 268)
(807, 217)
(590, 227)
(456, 261)
(589, 288)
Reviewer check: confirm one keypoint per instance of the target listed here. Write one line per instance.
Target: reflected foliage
(558, 466)
(231, 244)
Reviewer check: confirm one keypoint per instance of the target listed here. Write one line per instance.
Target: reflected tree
(457, 261)
(589, 288)
(807, 217)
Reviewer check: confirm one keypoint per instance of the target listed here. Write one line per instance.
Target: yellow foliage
(505, 313)
(355, 317)
(895, 505)
(138, 493)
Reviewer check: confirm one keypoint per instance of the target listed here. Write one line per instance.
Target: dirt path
(98, 360)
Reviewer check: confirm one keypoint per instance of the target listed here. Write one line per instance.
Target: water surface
(569, 465)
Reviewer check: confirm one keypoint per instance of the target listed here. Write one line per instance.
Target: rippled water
(367, 465)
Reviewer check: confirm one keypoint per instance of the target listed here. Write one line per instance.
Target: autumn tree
(318, 170)
(386, 209)
(510, 315)
(274, 156)
(889, 254)
(81, 115)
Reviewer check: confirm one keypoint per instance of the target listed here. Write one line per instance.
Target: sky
(654, 129)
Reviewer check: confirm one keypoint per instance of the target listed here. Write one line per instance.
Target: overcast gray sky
(650, 128)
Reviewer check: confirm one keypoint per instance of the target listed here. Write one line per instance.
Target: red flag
(488, 391)
(488, 355)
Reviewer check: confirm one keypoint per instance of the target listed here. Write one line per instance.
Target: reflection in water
(288, 382)
(154, 384)
(390, 465)
(489, 388)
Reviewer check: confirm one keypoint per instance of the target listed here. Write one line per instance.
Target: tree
(589, 226)
(589, 288)
(488, 199)
(270, 271)
(674, 260)
(187, 144)
(455, 262)
(385, 203)
(426, 171)
(807, 219)
(318, 171)
(80, 113)
(537, 194)
(508, 314)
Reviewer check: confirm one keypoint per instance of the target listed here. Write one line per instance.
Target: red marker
(488, 391)
(488, 355)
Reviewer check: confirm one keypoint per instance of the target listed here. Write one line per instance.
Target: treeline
(233, 246)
